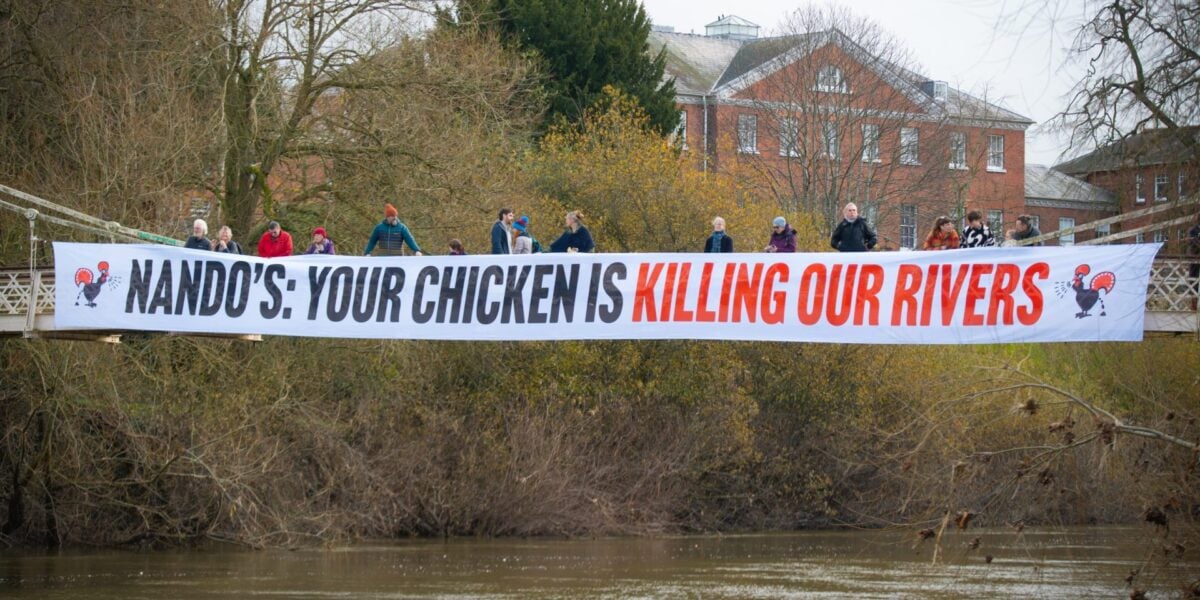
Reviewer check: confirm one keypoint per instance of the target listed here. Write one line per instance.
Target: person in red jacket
(274, 242)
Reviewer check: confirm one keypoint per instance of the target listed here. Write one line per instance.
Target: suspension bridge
(27, 294)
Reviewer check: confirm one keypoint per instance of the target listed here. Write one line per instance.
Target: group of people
(511, 235)
(977, 234)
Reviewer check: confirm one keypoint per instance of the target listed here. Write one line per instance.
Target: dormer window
(830, 79)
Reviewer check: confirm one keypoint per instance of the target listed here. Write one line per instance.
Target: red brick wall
(1122, 183)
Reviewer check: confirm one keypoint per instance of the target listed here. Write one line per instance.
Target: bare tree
(853, 120)
(1142, 70)
(280, 59)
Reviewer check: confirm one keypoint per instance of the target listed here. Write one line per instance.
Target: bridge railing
(1172, 288)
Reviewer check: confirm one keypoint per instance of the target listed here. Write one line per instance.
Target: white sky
(1014, 51)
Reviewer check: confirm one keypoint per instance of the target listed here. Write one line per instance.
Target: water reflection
(1074, 563)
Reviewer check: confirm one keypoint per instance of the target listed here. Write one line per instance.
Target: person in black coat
(576, 238)
(198, 239)
(853, 234)
(224, 242)
(719, 241)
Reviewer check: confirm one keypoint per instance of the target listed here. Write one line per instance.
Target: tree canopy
(585, 45)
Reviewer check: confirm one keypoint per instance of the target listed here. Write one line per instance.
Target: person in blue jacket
(576, 238)
(391, 235)
(502, 232)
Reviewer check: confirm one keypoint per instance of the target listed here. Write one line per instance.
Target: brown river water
(1090, 562)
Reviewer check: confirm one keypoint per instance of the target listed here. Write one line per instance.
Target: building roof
(732, 20)
(1149, 147)
(707, 66)
(1048, 187)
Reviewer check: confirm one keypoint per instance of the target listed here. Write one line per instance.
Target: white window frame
(958, 150)
(1179, 187)
(747, 134)
(1063, 223)
(789, 137)
(910, 146)
(830, 140)
(870, 149)
(831, 79)
(1104, 230)
(995, 163)
(1035, 222)
(908, 226)
(1160, 187)
(1138, 184)
(1139, 238)
(681, 130)
(1161, 236)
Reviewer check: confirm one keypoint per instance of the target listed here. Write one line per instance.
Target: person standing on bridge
(525, 243)
(275, 242)
(576, 238)
(320, 243)
(854, 233)
(1025, 230)
(198, 239)
(224, 242)
(391, 235)
(502, 232)
(942, 236)
(976, 234)
(783, 237)
(719, 242)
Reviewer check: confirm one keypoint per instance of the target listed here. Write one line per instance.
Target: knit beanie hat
(390, 211)
(779, 222)
(320, 231)
(521, 224)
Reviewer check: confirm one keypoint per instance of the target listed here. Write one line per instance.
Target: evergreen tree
(585, 45)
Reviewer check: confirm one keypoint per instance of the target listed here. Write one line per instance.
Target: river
(1035, 563)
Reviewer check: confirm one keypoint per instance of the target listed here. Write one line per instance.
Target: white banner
(990, 295)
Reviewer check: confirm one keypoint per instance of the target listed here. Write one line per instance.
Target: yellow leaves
(641, 194)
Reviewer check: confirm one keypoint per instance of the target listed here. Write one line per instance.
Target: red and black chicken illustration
(1086, 296)
(89, 284)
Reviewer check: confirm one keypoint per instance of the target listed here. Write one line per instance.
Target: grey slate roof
(695, 61)
(1150, 147)
(701, 65)
(1048, 185)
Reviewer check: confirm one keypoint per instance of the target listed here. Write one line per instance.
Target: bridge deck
(1171, 303)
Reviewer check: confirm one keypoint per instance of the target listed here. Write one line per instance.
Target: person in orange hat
(391, 235)
(321, 243)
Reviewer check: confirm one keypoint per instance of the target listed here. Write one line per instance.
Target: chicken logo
(1088, 294)
(90, 285)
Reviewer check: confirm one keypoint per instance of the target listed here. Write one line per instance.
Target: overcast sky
(1001, 48)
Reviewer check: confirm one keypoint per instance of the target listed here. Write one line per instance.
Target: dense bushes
(293, 440)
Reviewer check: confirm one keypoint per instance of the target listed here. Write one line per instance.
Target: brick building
(827, 121)
(1057, 201)
(1153, 166)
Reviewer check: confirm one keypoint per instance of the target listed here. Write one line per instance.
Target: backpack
(537, 246)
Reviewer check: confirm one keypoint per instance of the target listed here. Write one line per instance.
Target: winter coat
(523, 245)
(978, 237)
(721, 244)
(230, 248)
(391, 238)
(1032, 232)
(942, 240)
(276, 247)
(853, 236)
(580, 240)
(501, 238)
(197, 243)
(784, 241)
(326, 247)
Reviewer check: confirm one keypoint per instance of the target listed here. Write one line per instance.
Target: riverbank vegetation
(171, 440)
